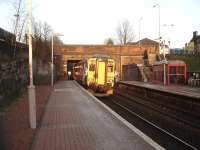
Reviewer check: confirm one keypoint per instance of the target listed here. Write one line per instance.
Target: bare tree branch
(20, 18)
(47, 31)
(125, 32)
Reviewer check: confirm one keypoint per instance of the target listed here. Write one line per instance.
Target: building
(196, 40)
(164, 48)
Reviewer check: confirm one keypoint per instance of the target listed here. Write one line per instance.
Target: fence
(130, 72)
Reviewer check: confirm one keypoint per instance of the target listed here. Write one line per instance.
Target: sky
(93, 21)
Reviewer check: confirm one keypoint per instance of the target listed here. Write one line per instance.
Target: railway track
(161, 128)
(164, 108)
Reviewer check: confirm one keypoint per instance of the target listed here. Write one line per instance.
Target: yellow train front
(95, 73)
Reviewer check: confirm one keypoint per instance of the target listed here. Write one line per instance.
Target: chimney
(195, 34)
(186, 45)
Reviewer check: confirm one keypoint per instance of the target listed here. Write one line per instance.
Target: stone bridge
(66, 55)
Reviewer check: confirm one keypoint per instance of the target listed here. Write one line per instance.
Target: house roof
(144, 41)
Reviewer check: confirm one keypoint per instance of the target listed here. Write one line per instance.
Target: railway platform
(75, 120)
(173, 89)
(172, 108)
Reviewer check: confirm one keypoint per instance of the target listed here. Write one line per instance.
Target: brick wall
(123, 54)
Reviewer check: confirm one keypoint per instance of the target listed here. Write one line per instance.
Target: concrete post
(32, 106)
(31, 88)
(52, 69)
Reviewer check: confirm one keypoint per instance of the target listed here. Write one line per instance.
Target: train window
(110, 68)
(92, 67)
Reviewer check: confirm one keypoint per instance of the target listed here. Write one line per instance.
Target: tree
(125, 32)
(189, 46)
(20, 17)
(145, 55)
(47, 31)
(42, 39)
(146, 58)
(42, 33)
(19, 23)
(109, 41)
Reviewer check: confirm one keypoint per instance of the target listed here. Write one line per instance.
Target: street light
(168, 26)
(52, 69)
(140, 29)
(31, 88)
(159, 38)
(158, 5)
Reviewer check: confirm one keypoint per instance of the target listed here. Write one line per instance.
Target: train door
(101, 72)
(110, 72)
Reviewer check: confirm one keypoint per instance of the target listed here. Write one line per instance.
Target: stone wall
(10, 52)
(13, 77)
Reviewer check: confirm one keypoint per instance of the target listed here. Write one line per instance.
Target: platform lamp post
(164, 54)
(31, 88)
(52, 52)
(169, 26)
(158, 5)
(159, 41)
(140, 30)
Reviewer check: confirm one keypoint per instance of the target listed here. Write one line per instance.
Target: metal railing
(184, 53)
(194, 82)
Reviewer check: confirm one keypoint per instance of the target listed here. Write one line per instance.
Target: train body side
(80, 72)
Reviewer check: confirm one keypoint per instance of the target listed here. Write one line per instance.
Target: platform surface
(175, 89)
(74, 120)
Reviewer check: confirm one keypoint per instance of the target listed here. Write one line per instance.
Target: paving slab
(75, 120)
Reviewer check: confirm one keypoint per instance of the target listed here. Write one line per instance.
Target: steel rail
(157, 127)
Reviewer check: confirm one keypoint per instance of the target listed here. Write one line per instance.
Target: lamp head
(155, 5)
(58, 34)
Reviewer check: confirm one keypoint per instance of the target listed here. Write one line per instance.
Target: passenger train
(95, 73)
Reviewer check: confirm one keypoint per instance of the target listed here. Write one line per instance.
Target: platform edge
(130, 126)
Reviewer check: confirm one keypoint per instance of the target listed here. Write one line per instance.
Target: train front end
(101, 74)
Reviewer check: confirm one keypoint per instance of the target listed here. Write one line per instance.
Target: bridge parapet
(123, 54)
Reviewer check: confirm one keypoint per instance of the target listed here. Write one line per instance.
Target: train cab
(96, 73)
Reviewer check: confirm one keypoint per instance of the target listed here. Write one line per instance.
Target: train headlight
(116, 73)
(110, 81)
